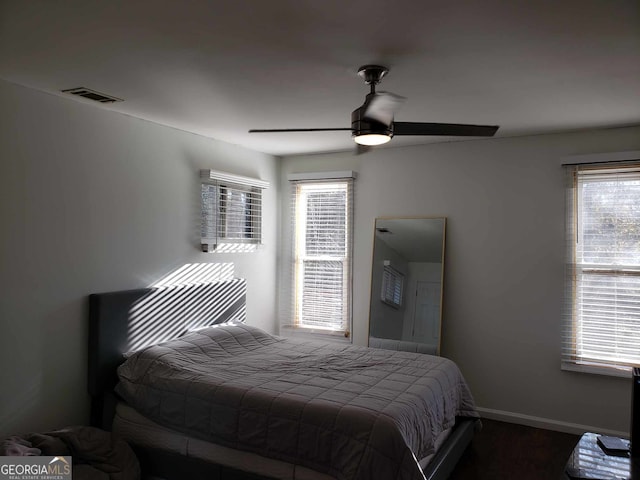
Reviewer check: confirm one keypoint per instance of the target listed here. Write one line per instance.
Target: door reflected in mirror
(406, 284)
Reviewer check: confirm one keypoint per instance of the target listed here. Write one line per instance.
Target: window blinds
(322, 229)
(392, 286)
(602, 321)
(231, 210)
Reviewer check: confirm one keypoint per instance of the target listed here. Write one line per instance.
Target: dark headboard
(132, 319)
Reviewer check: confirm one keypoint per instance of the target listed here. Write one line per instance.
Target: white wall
(93, 201)
(504, 203)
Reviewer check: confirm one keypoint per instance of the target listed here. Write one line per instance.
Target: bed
(207, 396)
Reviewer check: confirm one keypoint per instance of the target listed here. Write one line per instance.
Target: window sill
(318, 335)
(621, 372)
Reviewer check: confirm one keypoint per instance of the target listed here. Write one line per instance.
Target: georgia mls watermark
(35, 468)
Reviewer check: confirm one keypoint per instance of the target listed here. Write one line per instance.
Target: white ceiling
(219, 68)
(415, 239)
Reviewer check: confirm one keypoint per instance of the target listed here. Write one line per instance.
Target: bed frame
(153, 315)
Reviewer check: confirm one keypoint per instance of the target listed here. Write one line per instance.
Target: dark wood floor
(508, 451)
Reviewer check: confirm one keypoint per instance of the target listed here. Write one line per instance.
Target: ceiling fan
(373, 123)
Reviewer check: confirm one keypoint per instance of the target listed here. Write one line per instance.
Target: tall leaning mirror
(406, 284)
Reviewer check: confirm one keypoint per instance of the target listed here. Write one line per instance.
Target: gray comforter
(351, 412)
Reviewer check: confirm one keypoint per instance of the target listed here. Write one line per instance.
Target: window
(392, 285)
(602, 331)
(322, 227)
(231, 212)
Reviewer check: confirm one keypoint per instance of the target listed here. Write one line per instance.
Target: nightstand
(589, 461)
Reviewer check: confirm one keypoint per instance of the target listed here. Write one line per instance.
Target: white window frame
(231, 212)
(302, 185)
(574, 356)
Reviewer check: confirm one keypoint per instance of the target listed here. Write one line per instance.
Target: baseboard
(546, 423)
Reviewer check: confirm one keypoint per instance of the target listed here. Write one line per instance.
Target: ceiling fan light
(371, 139)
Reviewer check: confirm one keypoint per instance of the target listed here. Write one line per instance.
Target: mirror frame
(444, 239)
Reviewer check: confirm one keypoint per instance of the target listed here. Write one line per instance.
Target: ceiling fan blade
(382, 106)
(276, 130)
(449, 129)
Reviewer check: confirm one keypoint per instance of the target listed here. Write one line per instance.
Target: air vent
(92, 95)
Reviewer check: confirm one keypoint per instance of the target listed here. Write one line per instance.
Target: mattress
(346, 411)
(141, 432)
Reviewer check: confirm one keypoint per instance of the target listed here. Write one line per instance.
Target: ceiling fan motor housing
(364, 126)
